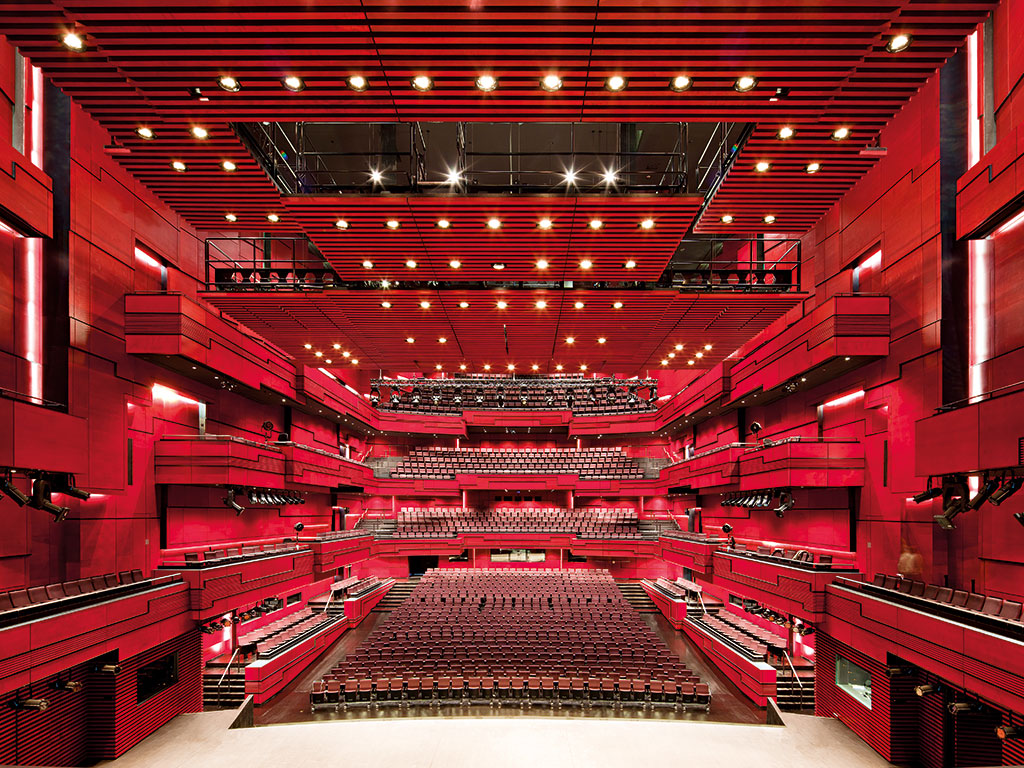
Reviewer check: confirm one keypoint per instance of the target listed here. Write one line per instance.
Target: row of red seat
(22, 598)
(214, 557)
(586, 462)
(1010, 610)
(474, 625)
(754, 641)
(448, 522)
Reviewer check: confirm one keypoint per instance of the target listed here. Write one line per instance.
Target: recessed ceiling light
(762, 166)
(425, 304)
(354, 361)
(727, 218)
(376, 176)
(840, 133)
(293, 83)
(671, 355)
(551, 82)
(308, 346)
(338, 346)
(630, 264)
(487, 82)
(559, 367)
(601, 340)
(443, 224)
(463, 305)
(410, 340)
(229, 83)
(386, 304)
(617, 305)
(179, 166)
(273, 217)
(487, 366)
(785, 132)
(367, 264)
(442, 340)
(595, 224)
(745, 83)
(699, 355)
(541, 304)
(341, 224)
(689, 362)
(501, 304)
(707, 347)
(318, 353)
(615, 83)
(410, 263)
(73, 42)
(392, 223)
(497, 266)
(586, 264)
(145, 133)
(769, 219)
(679, 347)
(511, 367)
(422, 83)
(681, 82)
(544, 224)
(813, 167)
(454, 263)
(570, 177)
(534, 367)
(583, 366)
(494, 223)
(570, 339)
(329, 361)
(228, 166)
(230, 217)
(357, 83)
(462, 366)
(542, 263)
(647, 224)
(453, 177)
(437, 367)
(346, 355)
(579, 305)
(898, 43)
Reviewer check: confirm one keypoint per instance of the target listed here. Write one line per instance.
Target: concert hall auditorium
(584, 384)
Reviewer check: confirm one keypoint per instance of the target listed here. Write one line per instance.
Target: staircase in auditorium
(222, 690)
(397, 594)
(636, 596)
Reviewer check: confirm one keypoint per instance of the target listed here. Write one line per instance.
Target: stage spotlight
(924, 690)
(755, 427)
(956, 707)
(786, 503)
(299, 527)
(1019, 517)
(37, 704)
(1006, 490)
(951, 508)
(229, 501)
(111, 669)
(13, 493)
(727, 528)
(983, 494)
(66, 484)
(927, 494)
(1004, 732)
(41, 500)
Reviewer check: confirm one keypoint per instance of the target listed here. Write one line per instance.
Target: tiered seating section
(753, 641)
(448, 522)
(275, 637)
(795, 558)
(996, 607)
(209, 558)
(581, 396)
(54, 598)
(445, 463)
(474, 635)
(354, 586)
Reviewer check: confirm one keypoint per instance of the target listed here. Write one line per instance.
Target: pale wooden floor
(203, 739)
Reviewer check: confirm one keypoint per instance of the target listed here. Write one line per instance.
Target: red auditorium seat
(1011, 610)
(959, 598)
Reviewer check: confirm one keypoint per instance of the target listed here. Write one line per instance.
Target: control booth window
(853, 679)
(157, 676)
(517, 556)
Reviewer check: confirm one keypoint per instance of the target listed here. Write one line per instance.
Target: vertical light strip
(36, 152)
(33, 352)
(979, 252)
(973, 88)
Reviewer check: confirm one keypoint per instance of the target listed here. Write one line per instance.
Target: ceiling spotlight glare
(840, 133)
(570, 340)
(544, 224)
(293, 83)
(498, 266)
(569, 177)
(671, 355)
(494, 223)
(229, 83)
(579, 305)
(410, 264)
(727, 219)
(487, 366)
(617, 305)
(228, 166)
(542, 263)
(410, 340)
(647, 224)
(443, 224)
(745, 83)
(422, 83)
(664, 361)
(145, 133)
(486, 83)
(341, 224)
(681, 83)
(769, 219)
(610, 177)
(595, 224)
(679, 347)
(392, 224)
(376, 176)
(812, 167)
(601, 340)
(73, 42)
(763, 166)
(442, 340)
(454, 263)
(551, 82)
(559, 367)
(583, 366)
(898, 43)
(179, 166)
(586, 264)
(463, 305)
(511, 367)
(501, 304)
(707, 347)
(1006, 490)
(273, 218)
(630, 264)
(424, 304)
(357, 83)
(453, 177)
(541, 304)
(615, 83)
(386, 304)
(785, 132)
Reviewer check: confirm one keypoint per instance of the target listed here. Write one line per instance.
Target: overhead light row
(839, 133)
(498, 266)
(509, 367)
(320, 355)
(768, 218)
(494, 224)
(181, 166)
(503, 304)
(679, 348)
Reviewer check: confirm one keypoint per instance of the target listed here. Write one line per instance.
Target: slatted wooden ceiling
(637, 336)
(141, 58)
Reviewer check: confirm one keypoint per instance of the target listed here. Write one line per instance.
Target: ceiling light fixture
(454, 263)
(570, 177)
(442, 340)
(358, 83)
(463, 305)
(392, 224)
(494, 223)
(671, 355)
(293, 83)
(570, 339)
(443, 224)
(664, 362)
(727, 218)
(422, 83)
(544, 224)
(486, 83)
(511, 367)
(273, 217)
(579, 305)
(386, 304)
(898, 43)
(630, 264)
(341, 224)
(425, 304)
(462, 366)
(559, 367)
(707, 347)
(437, 367)
(762, 166)
(586, 264)
(583, 366)
(410, 340)
(551, 82)
(745, 83)
(541, 304)
(542, 263)
(610, 177)
(73, 42)
(679, 347)
(647, 224)
(228, 166)
(145, 133)
(487, 366)
(615, 83)
(367, 264)
(534, 367)
(501, 304)
(199, 132)
(376, 176)
(617, 305)
(785, 132)
(229, 83)
(681, 83)
(595, 224)
(230, 217)
(179, 166)
(601, 340)
(813, 167)
(410, 264)
(840, 133)
(769, 219)
(497, 266)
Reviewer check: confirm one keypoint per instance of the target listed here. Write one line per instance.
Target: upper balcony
(797, 462)
(219, 460)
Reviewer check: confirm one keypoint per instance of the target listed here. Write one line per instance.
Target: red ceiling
(638, 336)
(517, 244)
(831, 56)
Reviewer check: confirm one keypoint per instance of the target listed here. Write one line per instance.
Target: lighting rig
(44, 485)
(762, 500)
(260, 496)
(957, 499)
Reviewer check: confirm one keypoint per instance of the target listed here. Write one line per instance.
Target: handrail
(330, 596)
(224, 674)
(702, 606)
(796, 677)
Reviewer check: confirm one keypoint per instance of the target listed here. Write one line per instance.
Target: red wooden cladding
(20, 445)
(756, 680)
(803, 465)
(191, 460)
(674, 610)
(798, 591)
(519, 244)
(695, 555)
(989, 193)
(26, 193)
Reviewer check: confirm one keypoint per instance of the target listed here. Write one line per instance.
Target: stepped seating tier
(446, 463)
(535, 635)
(585, 522)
